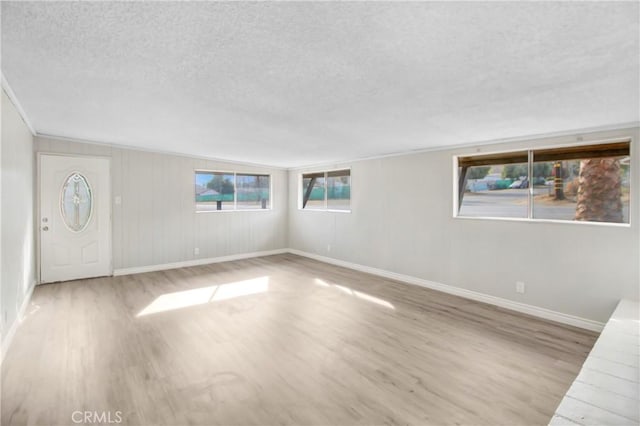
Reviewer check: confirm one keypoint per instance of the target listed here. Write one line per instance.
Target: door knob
(45, 228)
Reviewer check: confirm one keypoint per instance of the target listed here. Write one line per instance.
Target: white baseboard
(195, 262)
(457, 291)
(468, 294)
(8, 337)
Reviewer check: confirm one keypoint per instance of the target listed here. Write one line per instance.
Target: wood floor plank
(282, 340)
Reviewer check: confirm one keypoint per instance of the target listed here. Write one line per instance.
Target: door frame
(38, 216)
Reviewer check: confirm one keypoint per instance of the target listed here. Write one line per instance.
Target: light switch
(117, 200)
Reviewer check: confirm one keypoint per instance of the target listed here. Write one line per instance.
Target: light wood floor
(281, 340)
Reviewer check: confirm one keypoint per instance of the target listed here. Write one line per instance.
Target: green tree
(221, 184)
(478, 172)
(514, 171)
(541, 169)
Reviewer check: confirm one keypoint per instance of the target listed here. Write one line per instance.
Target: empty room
(320, 213)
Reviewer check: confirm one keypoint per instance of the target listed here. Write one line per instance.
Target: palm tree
(599, 191)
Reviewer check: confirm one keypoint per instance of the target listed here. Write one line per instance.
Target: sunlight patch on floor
(358, 294)
(204, 295)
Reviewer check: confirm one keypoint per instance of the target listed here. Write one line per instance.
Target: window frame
(530, 150)
(235, 191)
(325, 172)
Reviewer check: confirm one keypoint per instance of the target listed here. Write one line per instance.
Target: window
(253, 191)
(496, 185)
(313, 191)
(76, 202)
(577, 183)
(327, 190)
(588, 183)
(215, 191)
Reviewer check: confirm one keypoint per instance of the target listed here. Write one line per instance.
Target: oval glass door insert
(76, 202)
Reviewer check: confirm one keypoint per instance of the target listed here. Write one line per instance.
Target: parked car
(539, 181)
(520, 184)
(499, 184)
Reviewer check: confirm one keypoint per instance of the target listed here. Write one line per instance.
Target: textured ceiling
(289, 84)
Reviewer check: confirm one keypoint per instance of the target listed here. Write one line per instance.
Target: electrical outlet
(196, 251)
(520, 287)
(328, 247)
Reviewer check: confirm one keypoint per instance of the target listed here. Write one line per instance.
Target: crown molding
(14, 100)
(476, 144)
(157, 151)
(574, 132)
(338, 163)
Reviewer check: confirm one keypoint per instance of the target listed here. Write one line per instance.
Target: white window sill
(556, 221)
(324, 210)
(233, 211)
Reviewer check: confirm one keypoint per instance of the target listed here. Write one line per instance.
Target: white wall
(402, 222)
(18, 245)
(2, 326)
(157, 223)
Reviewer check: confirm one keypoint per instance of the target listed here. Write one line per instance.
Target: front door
(75, 218)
